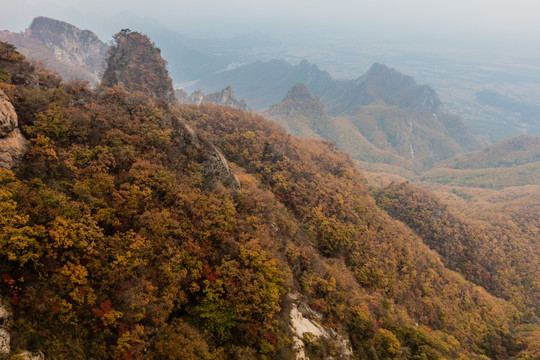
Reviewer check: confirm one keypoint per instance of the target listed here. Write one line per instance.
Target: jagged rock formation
(135, 63)
(265, 83)
(13, 145)
(224, 98)
(62, 47)
(302, 114)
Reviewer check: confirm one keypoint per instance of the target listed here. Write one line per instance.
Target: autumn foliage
(114, 245)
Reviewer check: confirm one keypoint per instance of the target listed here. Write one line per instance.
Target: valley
(329, 208)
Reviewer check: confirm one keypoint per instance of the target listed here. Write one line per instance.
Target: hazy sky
(498, 20)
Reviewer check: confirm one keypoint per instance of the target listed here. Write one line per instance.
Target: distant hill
(265, 83)
(381, 83)
(509, 152)
(510, 162)
(382, 117)
(62, 47)
(303, 114)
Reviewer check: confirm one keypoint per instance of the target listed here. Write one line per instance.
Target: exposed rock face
(13, 145)
(62, 47)
(135, 63)
(306, 325)
(27, 355)
(5, 320)
(225, 98)
(8, 117)
(5, 339)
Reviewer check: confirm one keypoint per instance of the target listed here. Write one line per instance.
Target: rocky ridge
(13, 145)
(382, 83)
(135, 63)
(224, 97)
(62, 47)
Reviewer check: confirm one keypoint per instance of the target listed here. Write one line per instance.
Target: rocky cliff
(224, 97)
(13, 145)
(62, 47)
(135, 63)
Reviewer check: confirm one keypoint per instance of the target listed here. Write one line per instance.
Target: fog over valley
(260, 180)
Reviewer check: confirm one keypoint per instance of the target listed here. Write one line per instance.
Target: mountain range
(133, 227)
(383, 117)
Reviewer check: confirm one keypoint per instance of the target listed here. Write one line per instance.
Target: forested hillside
(137, 229)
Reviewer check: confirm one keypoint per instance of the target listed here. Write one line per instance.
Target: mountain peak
(298, 102)
(62, 47)
(136, 63)
(299, 92)
(387, 76)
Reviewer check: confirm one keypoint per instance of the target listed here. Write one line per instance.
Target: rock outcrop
(13, 145)
(135, 63)
(225, 97)
(62, 47)
(307, 327)
(5, 320)
(6, 316)
(27, 355)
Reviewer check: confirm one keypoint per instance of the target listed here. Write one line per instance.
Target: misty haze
(269, 180)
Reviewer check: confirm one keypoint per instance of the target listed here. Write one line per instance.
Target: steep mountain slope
(135, 64)
(342, 225)
(265, 83)
(127, 235)
(62, 47)
(507, 263)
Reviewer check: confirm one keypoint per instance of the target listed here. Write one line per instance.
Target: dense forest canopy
(126, 234)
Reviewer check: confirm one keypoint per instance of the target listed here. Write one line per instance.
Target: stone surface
(27, 355)
(306, 323)
(8, 117)
(13, 145)
(5, 339)
(5, 313)
(62, 47)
